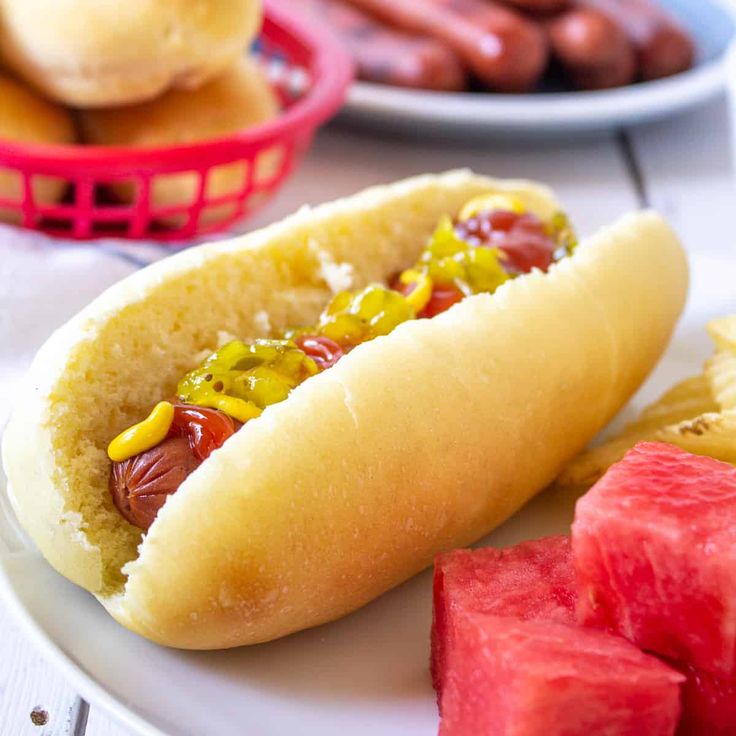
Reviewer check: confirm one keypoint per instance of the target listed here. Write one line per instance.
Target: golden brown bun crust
(25, 116)
(87, 53)
(414, 443)
(240, 98)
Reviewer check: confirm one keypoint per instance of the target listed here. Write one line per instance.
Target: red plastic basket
(310, 73)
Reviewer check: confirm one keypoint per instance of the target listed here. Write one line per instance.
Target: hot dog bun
(86, 53)
(416, 442)
(25, 116)
(238, 99)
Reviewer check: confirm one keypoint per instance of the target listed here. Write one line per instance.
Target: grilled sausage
(140, 486)
(539, 6)
(592, 48)
(389, 56)
(662, 44)
(505, 50)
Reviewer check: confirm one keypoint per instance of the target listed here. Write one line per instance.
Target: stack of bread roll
(138, 73)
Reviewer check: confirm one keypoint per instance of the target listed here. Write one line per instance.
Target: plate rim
(559, 108)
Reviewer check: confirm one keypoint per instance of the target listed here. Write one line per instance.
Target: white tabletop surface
(681, 167)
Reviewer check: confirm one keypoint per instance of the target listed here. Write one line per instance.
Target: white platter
(548, 113)
(363, 676)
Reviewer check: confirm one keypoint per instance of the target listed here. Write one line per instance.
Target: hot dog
(592, 48)
(663, 46)
(476, 254)
(352, 468)
(539, 6)
(505, 50)
(388, 56)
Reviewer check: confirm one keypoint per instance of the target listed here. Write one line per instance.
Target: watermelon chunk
(533, 580)
(536, 678)
(708, 704)
(654, 544)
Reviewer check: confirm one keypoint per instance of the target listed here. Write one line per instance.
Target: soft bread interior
(104, 369)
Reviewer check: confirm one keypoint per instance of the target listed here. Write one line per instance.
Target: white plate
(365, 675)
(710, 21)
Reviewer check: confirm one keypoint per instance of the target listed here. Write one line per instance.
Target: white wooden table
(681, 167)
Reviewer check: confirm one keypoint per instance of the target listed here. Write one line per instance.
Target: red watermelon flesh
(533, 580)
(536, 678)
(654, 545)
(708, 704)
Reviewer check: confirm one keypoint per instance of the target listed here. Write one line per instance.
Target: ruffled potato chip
(712, 434)
(720, 372)
(723, 332)
(686, 399)
(664, 421)
(698, 415)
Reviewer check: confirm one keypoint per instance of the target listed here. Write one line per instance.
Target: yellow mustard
(144, 435)
(239, 409)
(490, 202)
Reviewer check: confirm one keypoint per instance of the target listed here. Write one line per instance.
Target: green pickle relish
(493, 240)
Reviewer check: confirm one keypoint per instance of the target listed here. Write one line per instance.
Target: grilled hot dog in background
(388, 56)
(539, 6)
(505, 50)
(592, 48)
(663, 46)
(506, 45)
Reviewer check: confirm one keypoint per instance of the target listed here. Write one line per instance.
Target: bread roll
(87, 53)
(27, 117)
(413, 443)
(237, 100)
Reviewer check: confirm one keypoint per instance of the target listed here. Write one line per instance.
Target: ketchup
(323, 351)
(443, 297)
(205, 429)
(522, 240)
